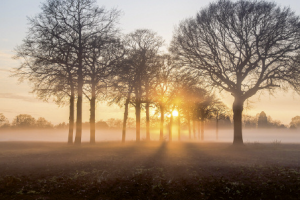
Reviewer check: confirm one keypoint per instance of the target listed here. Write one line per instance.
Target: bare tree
(240, 47)
(121, 91)
(198, 105)
(295, 122)
(161, 92)
(3, 120)
(143, 48)
(24, 121)
(50, 70)
(101, 63)
(183, 83)
(221, 111)
(41, 122)
(71, 24)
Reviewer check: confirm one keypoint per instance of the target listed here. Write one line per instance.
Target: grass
(110, 170)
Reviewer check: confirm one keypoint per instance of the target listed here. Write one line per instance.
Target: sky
(161, 16)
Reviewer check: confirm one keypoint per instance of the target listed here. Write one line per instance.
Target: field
(111, 170)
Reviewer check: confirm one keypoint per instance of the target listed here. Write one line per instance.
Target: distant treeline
(261, 120)
(25, 121)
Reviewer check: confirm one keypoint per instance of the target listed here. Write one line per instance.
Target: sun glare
(175, 113)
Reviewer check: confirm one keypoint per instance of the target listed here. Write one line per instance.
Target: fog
(225, 135)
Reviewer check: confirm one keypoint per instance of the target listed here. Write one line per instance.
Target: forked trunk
(162, 119)
(71, 117)
(237, 121)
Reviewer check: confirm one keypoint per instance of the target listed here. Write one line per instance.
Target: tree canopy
(240, 47)
(73, 49)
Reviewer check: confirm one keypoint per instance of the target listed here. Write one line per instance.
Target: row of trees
(67, 57)
(295, 122)
(261, 120)
(74, 49)
(25, 121)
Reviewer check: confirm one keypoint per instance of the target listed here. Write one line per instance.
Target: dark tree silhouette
(70, 24)
(201, 105)
(262, 121)
(121, 91)
(295, 122)
(51, 70)
(221, 111)
(143, 48)
(101, 63)
(183, 84)
(250, 121)
(204, 109)
(3, 120)
(240, 47)
(24, 121)
(161, 89)
(41, 122)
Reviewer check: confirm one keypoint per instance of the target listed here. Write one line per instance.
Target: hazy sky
(159, 15)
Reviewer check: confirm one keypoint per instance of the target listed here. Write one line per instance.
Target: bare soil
(111, 170)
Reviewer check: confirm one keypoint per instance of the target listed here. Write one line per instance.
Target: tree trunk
(147, 113)
(178, 118)
(79, 93)
(147, 121)
(79, 115)
(138, 94)
(194, 128)
(198, 125)
(170, 128)
(162, 119)
(189, 125)
(202, 129)
(237, 121)
(71, 117)
(125, 120)
(217, 126)
(138, 119)
(93, 115)
(202, 124)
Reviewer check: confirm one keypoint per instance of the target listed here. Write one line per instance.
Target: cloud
(6, 55)
(7, 61)
(7, 110)
(18, 97)
(4, 70)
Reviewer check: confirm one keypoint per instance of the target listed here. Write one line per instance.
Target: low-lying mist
(225, 135)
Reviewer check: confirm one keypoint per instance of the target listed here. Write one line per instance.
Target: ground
(154, 170)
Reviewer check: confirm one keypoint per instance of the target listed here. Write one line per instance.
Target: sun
(175, 113)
